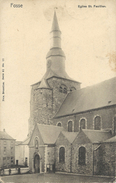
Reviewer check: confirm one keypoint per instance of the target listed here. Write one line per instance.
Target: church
(71, 129)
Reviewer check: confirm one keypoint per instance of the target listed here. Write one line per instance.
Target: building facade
(7, 150)
(22, 152)
(68, 126)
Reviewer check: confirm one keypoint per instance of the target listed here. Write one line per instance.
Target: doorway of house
(37, 163)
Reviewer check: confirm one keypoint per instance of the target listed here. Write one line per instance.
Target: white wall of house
(21, 153)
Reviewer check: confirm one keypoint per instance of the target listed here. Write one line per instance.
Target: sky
(88, 41)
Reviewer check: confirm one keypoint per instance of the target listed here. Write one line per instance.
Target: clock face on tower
(49, 63)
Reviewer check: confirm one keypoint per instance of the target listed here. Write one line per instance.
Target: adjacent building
(22, 152)
(7, 150)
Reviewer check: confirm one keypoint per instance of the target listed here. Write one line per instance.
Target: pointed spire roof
(55, 26)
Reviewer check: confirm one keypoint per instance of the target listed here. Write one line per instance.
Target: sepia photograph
(58, 91)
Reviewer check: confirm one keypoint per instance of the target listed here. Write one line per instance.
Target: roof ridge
(5, 135)
(49, 125)
(96, 130)
(98, 83)
(85, 135)
(70, 133)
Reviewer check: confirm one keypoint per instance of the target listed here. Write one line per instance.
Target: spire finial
(55, 26)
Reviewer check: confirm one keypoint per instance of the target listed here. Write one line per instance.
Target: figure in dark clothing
(9, 171)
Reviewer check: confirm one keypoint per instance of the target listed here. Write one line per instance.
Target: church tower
(55, 57)
(48, 94)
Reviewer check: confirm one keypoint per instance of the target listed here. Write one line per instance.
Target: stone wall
(40, 107)
(41, 153)
(71, 163)
(96, 158)
(63, 142)
(59, 97)
(88, 167)
(106, 114)
(33, 151)
(105, 156)
(46, 102)
(50, 155)
(82, 141)
(64, 121)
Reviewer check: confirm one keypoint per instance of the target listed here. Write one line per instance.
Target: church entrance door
(37, 163)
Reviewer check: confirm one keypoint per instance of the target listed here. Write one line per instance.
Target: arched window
(82, 123)
(62, 154)
(72, 89)
(70, 126)
(36, 143)
(97, 123)
(59, 124)
(63, 89)
(82, 153)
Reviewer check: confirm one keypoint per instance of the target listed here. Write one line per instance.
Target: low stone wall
(24, 170)
(14, 171)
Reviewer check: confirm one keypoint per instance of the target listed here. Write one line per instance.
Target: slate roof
(97, 136)
(70, 135)
(4, 135)
(49, 73)
(49, 133)
(44, 84)
(56, 73)
(92, 97)
(113, 139)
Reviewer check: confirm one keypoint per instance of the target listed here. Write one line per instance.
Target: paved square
(52, 178)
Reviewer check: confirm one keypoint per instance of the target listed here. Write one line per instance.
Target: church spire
(55, 57)
(55, 26)
(55, 38)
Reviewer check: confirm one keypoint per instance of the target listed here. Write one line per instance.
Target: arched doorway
(37, 163)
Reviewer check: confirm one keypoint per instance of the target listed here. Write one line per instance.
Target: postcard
(58, 86)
